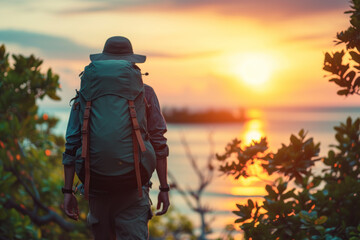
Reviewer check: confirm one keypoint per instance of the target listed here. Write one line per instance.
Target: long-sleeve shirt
(156, 127)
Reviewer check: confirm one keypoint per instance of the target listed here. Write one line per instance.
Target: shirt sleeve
(73, 135)
(156, 124)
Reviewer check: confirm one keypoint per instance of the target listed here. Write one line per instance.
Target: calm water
(223, 192)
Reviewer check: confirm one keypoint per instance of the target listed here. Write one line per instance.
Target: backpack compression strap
(137, 141)
(85, 146)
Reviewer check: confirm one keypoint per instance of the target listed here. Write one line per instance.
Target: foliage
(30, 171)
(317, 207)
(302, 203)
(171, 226)
(345, 75)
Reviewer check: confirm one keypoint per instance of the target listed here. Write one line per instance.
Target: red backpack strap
(137, 164)
(86, 145)
(137, 141)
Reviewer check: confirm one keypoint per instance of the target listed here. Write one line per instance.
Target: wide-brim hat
(118, 48)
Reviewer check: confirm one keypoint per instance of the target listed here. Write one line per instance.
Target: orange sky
(200, 53)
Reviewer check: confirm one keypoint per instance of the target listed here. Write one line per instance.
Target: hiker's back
(109, 85)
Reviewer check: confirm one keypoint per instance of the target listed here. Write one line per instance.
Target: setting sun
(254, 69)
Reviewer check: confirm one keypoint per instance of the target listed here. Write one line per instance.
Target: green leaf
(295, 141)
(250, 203)
(302, 133)
(308, 217)
(340, 81)
(355, 56)
(328, 230)
(350, 77)
(325, 192)
(343, 92)
(239, 220)
(328, 57)
(304, 215)
(282, 187)
(321, 220)
(272, 193)
(328, 69)
(349, 122)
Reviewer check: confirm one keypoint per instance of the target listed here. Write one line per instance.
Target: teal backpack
(113, 109)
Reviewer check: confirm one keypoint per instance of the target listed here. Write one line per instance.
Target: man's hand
(71, 206)
(163, 198)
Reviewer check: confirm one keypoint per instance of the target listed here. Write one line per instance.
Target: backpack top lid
(116, 77)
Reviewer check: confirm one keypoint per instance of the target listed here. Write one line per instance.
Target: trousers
(120, 216)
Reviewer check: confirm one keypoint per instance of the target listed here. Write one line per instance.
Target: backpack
(115, 140)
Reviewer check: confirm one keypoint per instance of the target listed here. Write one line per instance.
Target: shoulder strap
(137, 141)
(85, 146)
(136, 126)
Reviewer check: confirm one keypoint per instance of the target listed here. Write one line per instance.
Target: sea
(198, 143)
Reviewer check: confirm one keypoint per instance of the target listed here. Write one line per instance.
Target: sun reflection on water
(255, 183)
(253, 131)
(248, 191)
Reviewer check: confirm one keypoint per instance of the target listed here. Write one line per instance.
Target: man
(123, 214)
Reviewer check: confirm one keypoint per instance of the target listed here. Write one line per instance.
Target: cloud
(48, 45)
(316, 40)
(191, 55)
(56, 47)
(257, 9)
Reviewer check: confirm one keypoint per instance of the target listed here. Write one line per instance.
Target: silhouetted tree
(346, 75)
(193, 195)
(30, 155)
(321, 206)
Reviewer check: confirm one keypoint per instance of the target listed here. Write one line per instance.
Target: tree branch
(51, 216)
(205, 177)
(191, 159)
(180, 190)
(36, 200)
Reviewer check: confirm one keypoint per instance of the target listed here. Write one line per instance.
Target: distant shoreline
(204, 121)
(185, 116)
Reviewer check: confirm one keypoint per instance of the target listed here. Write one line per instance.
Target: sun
(254, 69)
